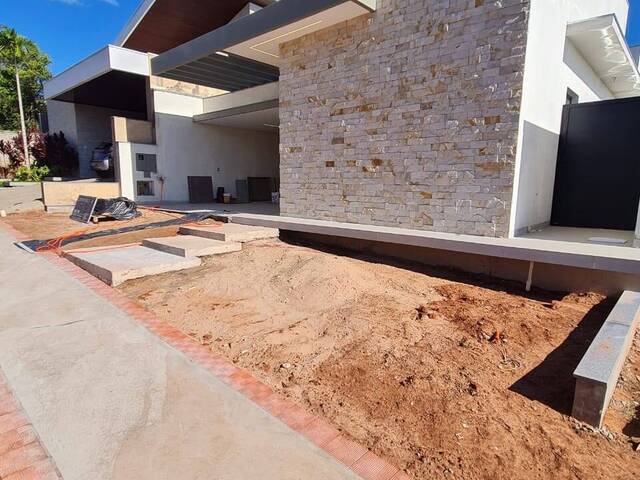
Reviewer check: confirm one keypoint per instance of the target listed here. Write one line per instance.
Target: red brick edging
(355, 456)
(22, 456)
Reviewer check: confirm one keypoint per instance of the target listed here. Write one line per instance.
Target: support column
(636, 241)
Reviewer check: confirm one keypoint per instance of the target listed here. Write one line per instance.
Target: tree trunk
(22, 124)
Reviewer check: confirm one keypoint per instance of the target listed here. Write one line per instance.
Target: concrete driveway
(112, 400)
(20, 199)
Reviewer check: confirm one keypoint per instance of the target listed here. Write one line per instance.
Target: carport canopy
(245, 52)
(113, 77)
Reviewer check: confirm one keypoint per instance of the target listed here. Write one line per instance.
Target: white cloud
(114, 3)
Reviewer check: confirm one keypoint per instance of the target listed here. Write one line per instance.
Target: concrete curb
(597, 374)
(351, 454)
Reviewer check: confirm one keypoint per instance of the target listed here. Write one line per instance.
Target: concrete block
(588, 404)
(117, 265)
(598, 371)
(231, 232)
(191, 246)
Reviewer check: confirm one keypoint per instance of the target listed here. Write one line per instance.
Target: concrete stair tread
(115, 265)
(191, 246)
(231, 232)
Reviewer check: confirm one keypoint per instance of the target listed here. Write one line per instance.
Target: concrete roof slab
(257, 37)
(101, 63)
(602, 43)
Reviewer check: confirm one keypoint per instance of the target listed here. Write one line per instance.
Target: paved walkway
(17, 199)
(111, 400)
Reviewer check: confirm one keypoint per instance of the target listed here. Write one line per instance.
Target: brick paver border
(22, 456)
(355, 456)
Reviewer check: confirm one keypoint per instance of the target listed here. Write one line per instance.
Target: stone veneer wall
(406, 117)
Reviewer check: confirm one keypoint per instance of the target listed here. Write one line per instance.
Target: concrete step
(115, 265)
(191, 246)
(231, 232)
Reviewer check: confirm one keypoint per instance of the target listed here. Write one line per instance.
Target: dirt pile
(445, 376)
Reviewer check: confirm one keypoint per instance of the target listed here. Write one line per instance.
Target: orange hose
(56, 243)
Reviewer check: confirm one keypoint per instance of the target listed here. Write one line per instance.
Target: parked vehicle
(102, 160)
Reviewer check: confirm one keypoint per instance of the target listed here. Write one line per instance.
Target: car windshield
(100, 154)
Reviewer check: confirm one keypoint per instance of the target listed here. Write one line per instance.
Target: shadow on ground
(552, 382)
(362, 250)
(632, 429)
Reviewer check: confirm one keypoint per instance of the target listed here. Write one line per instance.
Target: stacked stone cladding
(406, 117)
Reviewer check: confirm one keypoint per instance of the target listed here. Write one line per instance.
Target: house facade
(437, 115)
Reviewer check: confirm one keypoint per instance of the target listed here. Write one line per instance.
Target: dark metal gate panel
(598, 172)
(200, 189)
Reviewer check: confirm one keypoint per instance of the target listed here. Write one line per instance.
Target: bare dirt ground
(445, 375)
(624, 411)
(43, 226)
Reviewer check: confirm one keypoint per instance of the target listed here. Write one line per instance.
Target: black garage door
(598, 172)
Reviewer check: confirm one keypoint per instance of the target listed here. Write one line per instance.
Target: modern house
(430, 115)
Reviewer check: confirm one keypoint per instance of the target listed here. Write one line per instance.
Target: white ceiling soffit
(265, 48)
(103, 61)
(602, 44)
(265, 120)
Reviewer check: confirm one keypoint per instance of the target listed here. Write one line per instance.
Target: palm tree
(14, 49)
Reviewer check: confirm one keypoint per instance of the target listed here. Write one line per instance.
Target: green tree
(23, 69)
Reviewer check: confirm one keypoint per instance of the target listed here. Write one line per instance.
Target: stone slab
(232, 232)
(191, 246)
(598, 371)
(115, 265)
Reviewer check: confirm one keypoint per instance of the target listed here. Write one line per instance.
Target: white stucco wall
(261, 93)
(128, 176)
(551, 67)
(186, 148)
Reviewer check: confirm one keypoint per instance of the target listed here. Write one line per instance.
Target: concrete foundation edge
(546, 276)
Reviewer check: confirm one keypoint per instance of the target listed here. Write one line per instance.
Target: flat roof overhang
(251, 109)
(160, 25)
(602, 43)
(247, 49)
(113, 77)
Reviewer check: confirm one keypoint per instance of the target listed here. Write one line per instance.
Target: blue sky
(69, 30)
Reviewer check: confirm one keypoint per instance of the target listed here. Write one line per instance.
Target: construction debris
(55, 243)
